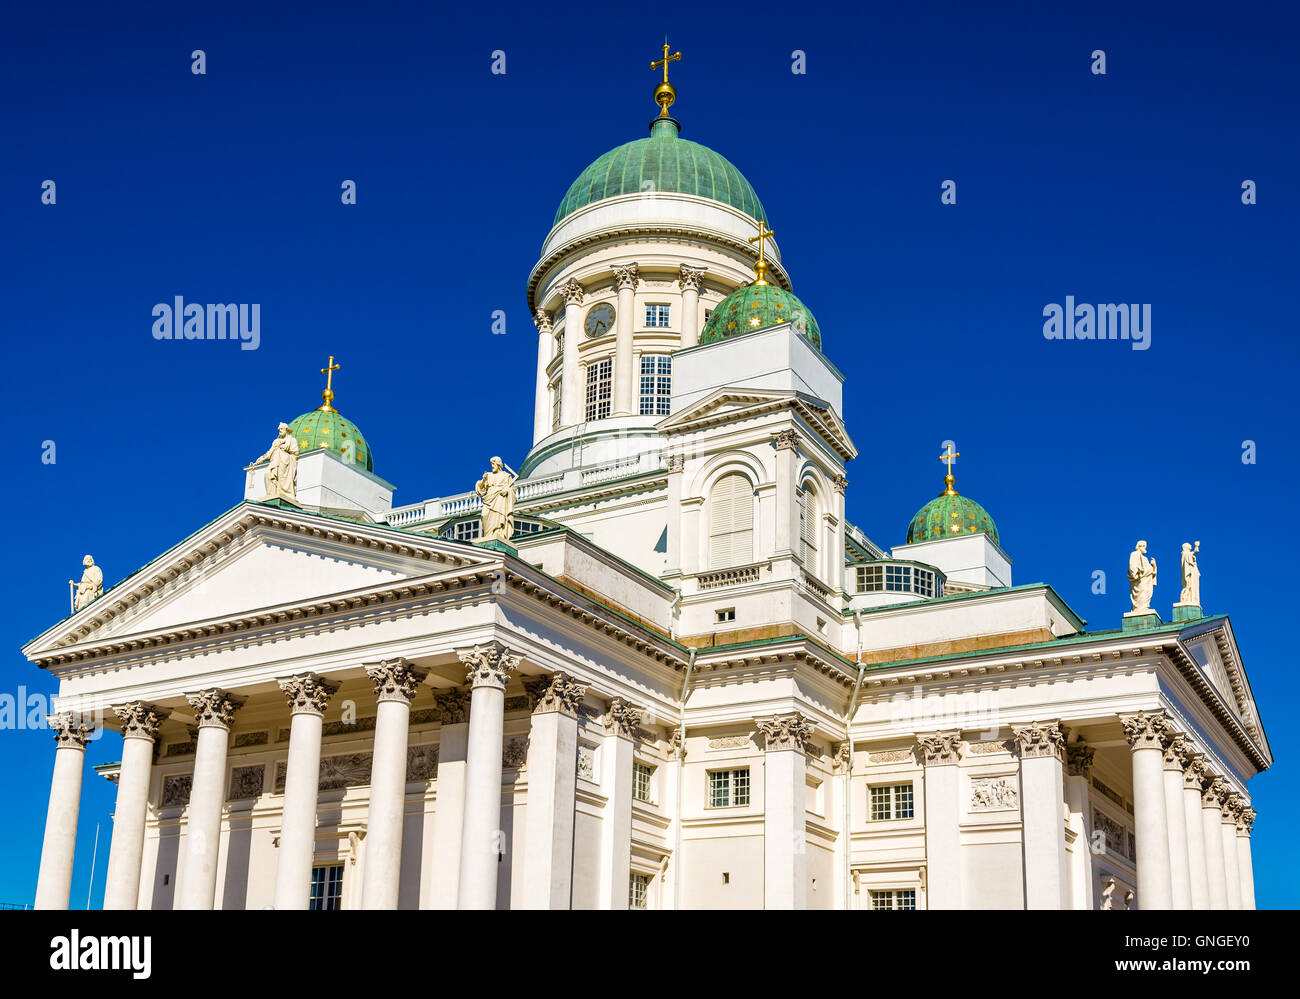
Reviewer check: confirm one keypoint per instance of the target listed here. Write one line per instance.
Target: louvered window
(731, 522)
(808, 530)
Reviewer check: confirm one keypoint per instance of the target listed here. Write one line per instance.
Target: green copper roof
(321, 429)
(663, 162)
(757, 306)
(948, 515)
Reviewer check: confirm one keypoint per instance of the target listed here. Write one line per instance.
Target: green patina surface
(946, 516)
(318, 429)
(756, 307)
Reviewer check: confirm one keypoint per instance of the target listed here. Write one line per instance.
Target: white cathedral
(686, 681)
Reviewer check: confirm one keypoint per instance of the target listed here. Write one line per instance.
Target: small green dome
(756, 307)
(663, 162)
(322, 428)
(948, 515)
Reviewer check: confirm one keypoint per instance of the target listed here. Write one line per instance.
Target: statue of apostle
(1141, 577)
(282, 472)
(91, 585)
(497, 488)
(1191, 575)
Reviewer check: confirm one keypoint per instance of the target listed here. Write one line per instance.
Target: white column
(941, 752)
(140, 723)
(214, 712)
(671, 789)
(1214, 790)
(1193, 770)
(622, 719)
(1042, 806)
(1244, 864)
(836, 574)
(1145, 732)
(1228, 838)
(542, 393)
(396, 683)
(625, 278)
(785, 826)
(572, 404)
(1078, 766)
(308, 696)
(673, 556)
(1180, 869)
(453, 739)
(787, 513)
(690, 279)
(480, 839)
(54, 882)
(552, 783)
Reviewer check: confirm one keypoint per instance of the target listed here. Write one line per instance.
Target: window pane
(599, 389)
(740, 778)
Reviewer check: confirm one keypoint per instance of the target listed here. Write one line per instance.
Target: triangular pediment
(725, 405)
(1214, 649)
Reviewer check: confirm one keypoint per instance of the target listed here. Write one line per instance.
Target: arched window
(731, 522)
(808, 529)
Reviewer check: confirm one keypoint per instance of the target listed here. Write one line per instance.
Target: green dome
(948, 515)
(328, 429)
(669, 164)
(757, 306)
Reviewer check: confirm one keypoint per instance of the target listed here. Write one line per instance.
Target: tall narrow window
(808, 529)
(656, 317)
(731, 522)
(599, 389)
(557, 401)
(656, 384)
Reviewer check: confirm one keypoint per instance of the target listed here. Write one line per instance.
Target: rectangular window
(600, 384)
(326, 887)
(642, 775)
(638, 891)
(894, 899)
(557, 400)
(871, 578)
(891, 801)
(656, 384)
(656, 317)
(898, 578)
(468, 530)
(725, 616)
(728, 788)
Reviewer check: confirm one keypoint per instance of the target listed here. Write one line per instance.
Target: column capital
(214, 708)
(307, 693)
(1245, 821)
(626, 276)
(676, 746)
(690, 278)
(542, 320)
(784, 732)
(1214, 790)
(557, 692)
(676, 462)
(395, 680)
(940, 748)
(841, 484)
(1174, 745)
(453, 705)
(1232, 807)
(622, 718)
(488, 665)
(1193, 769)
(1040, 740)
(140, 720)
(1145, 730)
(785, 440)
(572, 293)
(70, 730)
(1078, 759)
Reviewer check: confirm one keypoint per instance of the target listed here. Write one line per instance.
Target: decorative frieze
(586, 761)
(1145, 730)
(940, 748)
(785, 732)
(246, 782)
(556, 692)
(891, 756)
(515, 754)
(731, 742)
(307, 693)
(622, 718)
(994, 794)
(214, 708)
(395, 680)
(488, 665)
(243, 739)
(1114, 834)
(453, 705)
(421, 763)
(140, 720)
(1078, 759)
(187, 748)
(1040, 740)
(176, 790)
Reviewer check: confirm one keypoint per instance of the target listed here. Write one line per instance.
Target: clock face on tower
(600, 319)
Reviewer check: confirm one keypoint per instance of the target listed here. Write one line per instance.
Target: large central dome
(663, 162)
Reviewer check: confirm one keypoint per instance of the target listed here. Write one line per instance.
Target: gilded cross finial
(328, 394)
(760, 268)
(665, 93)
(949, 456)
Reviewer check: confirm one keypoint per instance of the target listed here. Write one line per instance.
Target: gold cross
(675, 57)
(665, 93)
(760, 268)
(949, 456)
(328, 394)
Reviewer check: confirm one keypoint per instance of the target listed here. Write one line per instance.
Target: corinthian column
(541, 401)
(1078, 765)
(1179, 863)
(1228, 838)
(1213, 792)
(396, 683)
(785, 827)
(308, 696)
(690, 279)
(941, 753)
(622, 719)
(1145, 732)
(552, 782)
(1245, 820)
(786, 443)
(571, 392)
(54, 882)
(453, 739)
(214, 712)
(1193, 771)
(140, 723)
(626, 278)
(1042, 787)
(481, 847)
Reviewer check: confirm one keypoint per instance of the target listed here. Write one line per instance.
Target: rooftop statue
(497, 488)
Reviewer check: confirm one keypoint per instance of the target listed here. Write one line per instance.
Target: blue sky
(225, 187)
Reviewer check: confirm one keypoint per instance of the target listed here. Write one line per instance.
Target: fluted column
(690, 279)
(625, 278)
(1193, 771)
(940, 753)
(573, 393)
(487, 669)
(1228, 838)
(214, 713)
(54, 881)
(1214, 790)
(396, 683)
(1078, 766)
(140, 723)
(308, 696)
(552, 783)
(1246, 868)
(622, 719)
(542, 400)
(1145, 733)
(453, 740)
(1042, 788)
(1180, 871)
(785, 786)
(786, 443)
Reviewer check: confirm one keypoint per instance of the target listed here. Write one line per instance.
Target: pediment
(1215, 652)
(729, 404)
